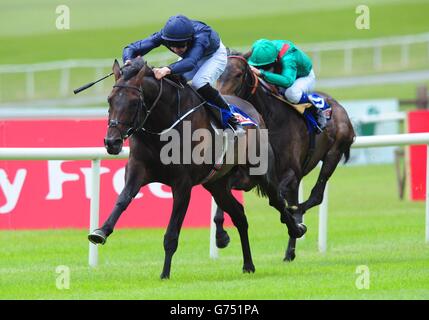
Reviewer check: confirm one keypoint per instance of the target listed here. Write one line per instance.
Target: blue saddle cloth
(240, 115)
(320, 103)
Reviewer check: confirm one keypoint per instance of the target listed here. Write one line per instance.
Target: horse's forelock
(232, 52)
(132, 69)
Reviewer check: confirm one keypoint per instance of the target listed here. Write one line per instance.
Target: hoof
(302, 229)
(165, 276)
(290, 256)
(97, 237)
(248, 268)
(222, 241)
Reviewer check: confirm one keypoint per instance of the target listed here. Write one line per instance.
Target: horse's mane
(131, 70)
(233, 52)
(267, 112)
(138, 63)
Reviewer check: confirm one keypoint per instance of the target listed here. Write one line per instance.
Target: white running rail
(97, 154)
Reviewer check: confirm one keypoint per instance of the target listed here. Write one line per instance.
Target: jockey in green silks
(281, 63)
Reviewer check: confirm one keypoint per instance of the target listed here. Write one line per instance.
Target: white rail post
(428, 49)
(405, 54)
(348, 60)
(30, 84)
(98, 75)
(214, 251)
(377, 57)
(323, 222)
(427, 193)
(65, 81)
(95, 206)
(301, 200)
(317, 61)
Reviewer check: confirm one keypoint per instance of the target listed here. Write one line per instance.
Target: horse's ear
(116, 70)
(247, 55)
(141, 73)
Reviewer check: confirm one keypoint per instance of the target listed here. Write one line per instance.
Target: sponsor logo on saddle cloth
(243, 120)
(242, 117)
(320, 103)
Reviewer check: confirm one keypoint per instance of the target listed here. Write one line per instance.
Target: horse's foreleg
(277, 200)
(135, 178)
(330, 163)
(226, 202)
(222, 237)
(292, 199)
(181, 197)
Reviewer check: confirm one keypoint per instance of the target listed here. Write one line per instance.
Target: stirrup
(236, 125)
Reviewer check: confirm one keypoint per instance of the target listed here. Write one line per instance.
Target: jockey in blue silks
(204, 57)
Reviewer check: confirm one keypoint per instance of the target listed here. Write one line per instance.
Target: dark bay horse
(290, 139)
(144, 109)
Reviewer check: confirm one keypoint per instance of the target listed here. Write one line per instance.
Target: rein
(254, 81)
(132, 128)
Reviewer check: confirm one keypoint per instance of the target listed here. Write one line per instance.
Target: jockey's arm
(189, 62)
(286, 78)
(141, 47)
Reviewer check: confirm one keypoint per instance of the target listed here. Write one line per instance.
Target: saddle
(276, 93)
(303, 108)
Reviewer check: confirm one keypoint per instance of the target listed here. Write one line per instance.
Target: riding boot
(213, 96)
(320, 116)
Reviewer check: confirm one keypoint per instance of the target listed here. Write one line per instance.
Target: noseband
(254, 81)
(133, 126)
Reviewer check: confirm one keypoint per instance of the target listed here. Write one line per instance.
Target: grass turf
(31, 38)
(368, 225)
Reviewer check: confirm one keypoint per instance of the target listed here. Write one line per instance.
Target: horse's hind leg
(221, 193)
(239, 180)
(135, 178)
(181, 197)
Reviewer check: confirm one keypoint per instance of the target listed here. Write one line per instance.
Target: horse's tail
(346, 149)
(347, 154)
(270, 178)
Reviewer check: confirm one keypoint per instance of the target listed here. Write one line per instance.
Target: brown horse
(146, 110)
(290, 139)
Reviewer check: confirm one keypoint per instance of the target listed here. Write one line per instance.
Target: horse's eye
(239, 75)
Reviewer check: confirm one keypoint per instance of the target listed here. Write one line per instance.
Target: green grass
(29, 35)
(368, 225)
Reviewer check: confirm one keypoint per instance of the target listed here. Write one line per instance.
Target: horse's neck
(173, 104)
(268, 105)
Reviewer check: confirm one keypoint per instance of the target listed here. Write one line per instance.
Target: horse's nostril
(112, 143)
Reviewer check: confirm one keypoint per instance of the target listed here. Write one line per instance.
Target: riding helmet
(178, 29)
(264, 52)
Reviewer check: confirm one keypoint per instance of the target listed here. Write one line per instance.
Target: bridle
(133, 126)
(253, 82)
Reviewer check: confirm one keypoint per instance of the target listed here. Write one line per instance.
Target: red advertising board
(418, 121)
(47, 194)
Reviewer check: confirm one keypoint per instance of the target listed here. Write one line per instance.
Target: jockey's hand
(255, 71)
(161, 72)
(128, 62)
